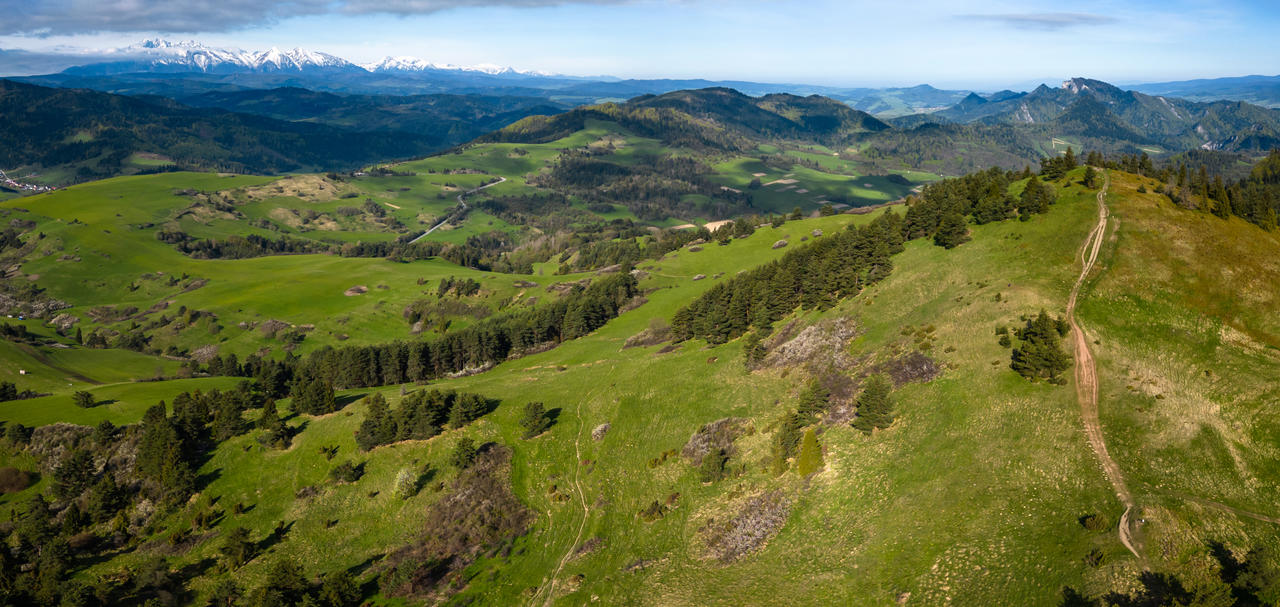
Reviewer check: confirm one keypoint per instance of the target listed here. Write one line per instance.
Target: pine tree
(785, 440)
(875, 407)
(813, 401)
(1090, 177)
(535, 420)
(1040, 356)
(466, 408)
(237, 549)
(73, 475)
(952, 232)
(464, 453)
(810, 459)
(378, 428)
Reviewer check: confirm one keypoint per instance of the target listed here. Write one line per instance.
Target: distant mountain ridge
(159, 55)
(1091, 108)
(1258, 90)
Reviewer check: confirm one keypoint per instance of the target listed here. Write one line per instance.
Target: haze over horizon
(985, 45)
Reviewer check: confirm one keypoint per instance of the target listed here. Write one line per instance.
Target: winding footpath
(1086, 374)
(550, 586)
(461, 202)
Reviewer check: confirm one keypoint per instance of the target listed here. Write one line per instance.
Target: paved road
(461, 202)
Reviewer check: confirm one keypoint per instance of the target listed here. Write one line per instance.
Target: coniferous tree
(237, 548)
(813, 401)
(463, 454)
(535, 420)
(466, 408)
(875, 406)
(377, 428)
(809, 460)
(785, 440)
(1040, 356)
(1090, 177)
(83, 399)
(73, 475)
(952, 231)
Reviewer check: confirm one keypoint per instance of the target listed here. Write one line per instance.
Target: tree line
(833, 267)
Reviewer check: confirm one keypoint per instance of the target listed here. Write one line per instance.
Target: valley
(293, 330)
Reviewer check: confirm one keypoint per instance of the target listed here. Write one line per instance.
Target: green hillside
(681, 367)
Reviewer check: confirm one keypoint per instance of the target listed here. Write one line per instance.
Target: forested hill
(718, 118)
(73, 135)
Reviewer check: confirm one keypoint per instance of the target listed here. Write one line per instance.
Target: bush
(13, 480)
(406, 484)
(346, 472)
(84, 399)
(712, 468)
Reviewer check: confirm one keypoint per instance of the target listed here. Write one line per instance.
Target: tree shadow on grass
(340, 402)
(276, 536)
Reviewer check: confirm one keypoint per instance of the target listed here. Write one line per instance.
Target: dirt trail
(1086, 373)
(550, 586)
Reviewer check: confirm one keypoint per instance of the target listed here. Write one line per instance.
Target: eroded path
(549, 588)
(1086, 373)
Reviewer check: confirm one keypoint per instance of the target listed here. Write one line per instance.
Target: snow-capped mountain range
(158, 55)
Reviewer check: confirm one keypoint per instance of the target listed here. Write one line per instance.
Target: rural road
(461, 202)
(1087, 373)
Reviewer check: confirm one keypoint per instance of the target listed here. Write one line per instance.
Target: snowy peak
(296, 59)
(160, 55)
(414, 64)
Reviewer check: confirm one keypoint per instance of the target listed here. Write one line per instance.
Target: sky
(986, 44)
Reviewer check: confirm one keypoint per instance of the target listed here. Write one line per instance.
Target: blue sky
(988, 44)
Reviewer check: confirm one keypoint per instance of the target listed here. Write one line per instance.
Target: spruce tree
(535, 420)
(1040, 356)
(810, 459)
(875, 407)
(952, 232)
(813, 401)
(464, 453)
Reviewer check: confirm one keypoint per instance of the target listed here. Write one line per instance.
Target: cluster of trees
(421, 415)
(239, 247)
(96, 477)
(10, 391)
(460, 287)
(487, 342)
(1201, 180)
(1244, 579)
(1040, 355)
(652, 189)
(943, 209)
(1054, 167)
(809, 277)
(10, 239)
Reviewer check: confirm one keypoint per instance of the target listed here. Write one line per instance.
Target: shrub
(712, 468)
(13, 480)
(346, 472)
(84, 399)
(406, 484)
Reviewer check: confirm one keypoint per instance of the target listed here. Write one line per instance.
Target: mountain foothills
(695, 347)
